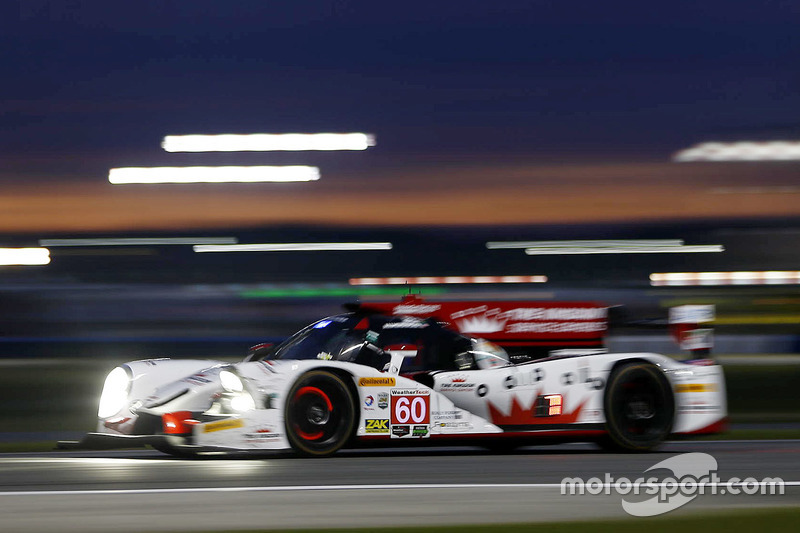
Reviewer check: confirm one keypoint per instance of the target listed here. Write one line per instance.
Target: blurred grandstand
(151, 300)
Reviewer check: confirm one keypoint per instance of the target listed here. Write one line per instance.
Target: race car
(416, 373)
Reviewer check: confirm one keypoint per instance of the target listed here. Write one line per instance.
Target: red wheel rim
(319, 393)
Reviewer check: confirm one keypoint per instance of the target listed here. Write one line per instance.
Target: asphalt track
(146, 491)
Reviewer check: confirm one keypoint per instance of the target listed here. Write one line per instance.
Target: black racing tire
(639, 407)
(320, 414)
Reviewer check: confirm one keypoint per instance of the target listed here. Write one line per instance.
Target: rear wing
(522, 328)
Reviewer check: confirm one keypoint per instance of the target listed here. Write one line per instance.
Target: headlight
(230, 381)
(236, 398)
(115, 393)
(243, 402)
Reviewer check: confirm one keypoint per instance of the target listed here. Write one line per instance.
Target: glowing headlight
(230, 381)
(243, 402)
(115, 393)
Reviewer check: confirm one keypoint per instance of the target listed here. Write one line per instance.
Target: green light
(334, 292)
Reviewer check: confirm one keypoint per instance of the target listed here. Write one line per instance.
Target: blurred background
(637, 154)
(504, 123)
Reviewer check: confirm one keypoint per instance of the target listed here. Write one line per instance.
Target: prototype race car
(417, 372)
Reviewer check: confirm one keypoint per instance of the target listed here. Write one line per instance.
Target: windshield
(329, 339)
(367, 340)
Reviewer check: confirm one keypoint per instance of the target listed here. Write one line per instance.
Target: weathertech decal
(376, 382)
(410, 408)
(223, 425)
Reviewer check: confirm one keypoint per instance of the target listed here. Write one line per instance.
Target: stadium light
(138, 241)
(447, 280)
(24, 256)
(740, 151)
(120, 176)
(267, 142)
(770, 277)
(295, 247)
(619, 243)
(696, 248)
(629, 246)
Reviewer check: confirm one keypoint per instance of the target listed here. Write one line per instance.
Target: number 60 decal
(411, 409)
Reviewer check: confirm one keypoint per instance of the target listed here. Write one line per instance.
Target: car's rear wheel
(320, 414)
(639, 408)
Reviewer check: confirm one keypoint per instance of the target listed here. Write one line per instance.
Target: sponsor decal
(415, 309)
(400, 431)
(420, 431)
(222, 425)
(406, 322)
(482, 324)
(197, 379)
(369, 400)
(527, 378)
(458, 383)
(516, 320)
(557, 327)
(455, 426)
(696, 387)
(447, 415)
(547, 320)
(591, 382)
(376, 425)
(593, 414)
(411, 406)
(700, 408)
(556, 313)
(376, 382)
(383, 400)
(261, 435)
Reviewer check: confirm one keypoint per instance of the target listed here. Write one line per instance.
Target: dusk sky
(510, 112)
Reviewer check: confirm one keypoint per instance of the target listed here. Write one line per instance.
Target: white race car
(419, 373)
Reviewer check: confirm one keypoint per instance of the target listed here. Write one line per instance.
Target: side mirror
(259, 350)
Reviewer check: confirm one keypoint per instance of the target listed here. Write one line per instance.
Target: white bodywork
(471, 403)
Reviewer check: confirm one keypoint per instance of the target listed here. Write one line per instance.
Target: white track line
(301, 488)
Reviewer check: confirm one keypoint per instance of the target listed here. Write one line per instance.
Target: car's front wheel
(639, 408)
(320, 414)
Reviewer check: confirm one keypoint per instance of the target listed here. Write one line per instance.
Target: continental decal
(696, 387)
(223, 425)
(376, 426)
(376, 382)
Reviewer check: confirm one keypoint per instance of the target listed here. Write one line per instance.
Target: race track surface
(147, 491)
